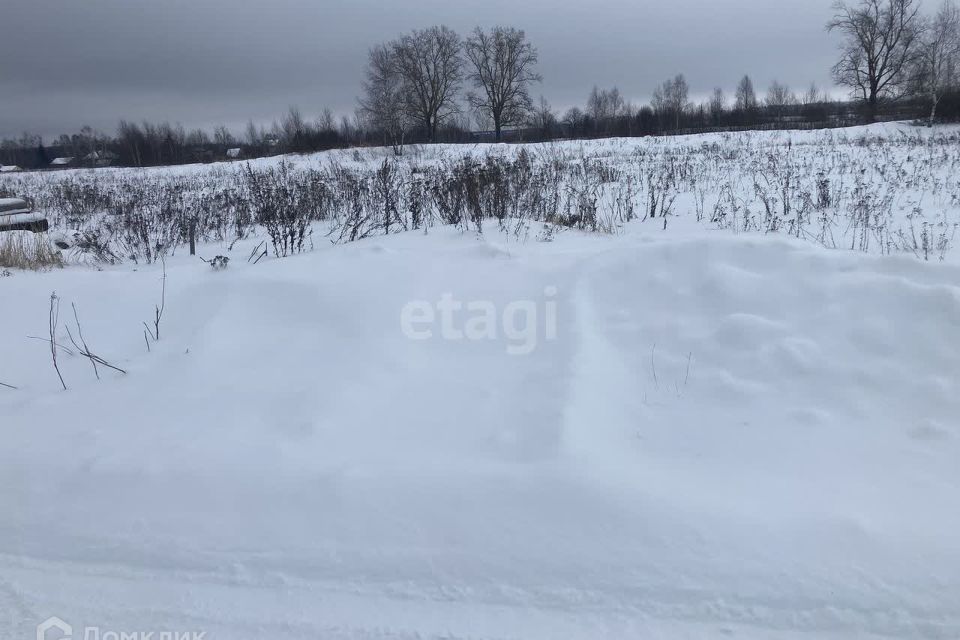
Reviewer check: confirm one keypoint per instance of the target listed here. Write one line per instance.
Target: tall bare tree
(131, 137)
(383, 105)
(938, 63)
(880, 43)
(293, 129)
(326, 121)
(543, 118)
(813, 95)
(671, 99)
(254, 136)
(718, 103)
(222, 137)
(575, 121)
(502, 65)
(779, 97)
(605, 106)
(431, 67)
(746, 96)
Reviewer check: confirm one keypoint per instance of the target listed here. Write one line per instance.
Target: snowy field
(690, 425)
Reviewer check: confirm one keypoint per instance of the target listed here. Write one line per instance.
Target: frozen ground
(737, 436)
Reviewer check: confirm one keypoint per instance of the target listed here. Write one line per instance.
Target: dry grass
(25, 250)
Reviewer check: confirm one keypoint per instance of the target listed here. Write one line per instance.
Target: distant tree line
(432, 85)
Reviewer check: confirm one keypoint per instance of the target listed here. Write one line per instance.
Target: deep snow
(731, 436)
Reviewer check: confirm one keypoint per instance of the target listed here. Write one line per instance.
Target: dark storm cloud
(65, 63)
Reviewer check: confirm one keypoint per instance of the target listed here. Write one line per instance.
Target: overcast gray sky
(66, 63)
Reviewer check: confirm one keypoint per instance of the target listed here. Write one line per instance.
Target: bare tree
(385, 95)
(253, 135)
(604, 106)
(326, 121)
(430, 64)
(779, 97)
(938, 63)
(543, 118)
(813, 96)
(294, 130)
(347, 128)
(197, 138)
(222, 137)
(746, 97)
(575, 121)
(130, 136)
(880, 43)
(671, 99)
(502, 65)
(717, 105)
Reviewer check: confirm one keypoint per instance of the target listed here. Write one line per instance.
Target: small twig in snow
(63, 348)
(255, 251)
(54, 320)
(163, 301)
(85, 350)
(653, 365)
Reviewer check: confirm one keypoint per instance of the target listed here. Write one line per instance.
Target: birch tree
(385, 97)
(939, 58)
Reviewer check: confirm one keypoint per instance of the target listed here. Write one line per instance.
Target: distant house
(63, 163)
(9, 168)
(100, 158)
(235, 153)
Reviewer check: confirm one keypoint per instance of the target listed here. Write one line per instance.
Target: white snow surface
(735, 436)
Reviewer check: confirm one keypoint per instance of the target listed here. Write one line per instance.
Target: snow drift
(729, 435)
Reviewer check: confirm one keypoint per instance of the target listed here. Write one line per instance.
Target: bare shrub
(28, 251)
(277, 203)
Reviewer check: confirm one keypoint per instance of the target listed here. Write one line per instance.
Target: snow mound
(726, 436)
